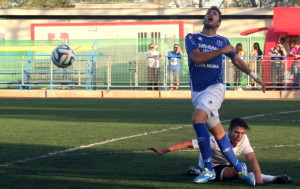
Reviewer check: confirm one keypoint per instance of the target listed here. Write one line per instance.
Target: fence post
(108, 73)
(51, 74)
(136, 76)
(79, 72)
(165, 75)
(225, 70)
(285, 74)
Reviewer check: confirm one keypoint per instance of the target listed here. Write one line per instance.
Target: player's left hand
(263, 85)
(258, 180)
(156, 150)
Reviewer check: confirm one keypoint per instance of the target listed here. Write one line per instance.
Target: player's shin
(204, 144)
(226, 149)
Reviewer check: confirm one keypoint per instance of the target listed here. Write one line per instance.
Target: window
(144, 39)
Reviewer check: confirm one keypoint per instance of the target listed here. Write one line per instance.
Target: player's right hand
(228, 49)
(263, 85)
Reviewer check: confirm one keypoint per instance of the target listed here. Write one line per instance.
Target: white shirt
(243, 147)
(153, 59)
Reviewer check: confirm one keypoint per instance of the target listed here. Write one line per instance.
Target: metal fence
(282, 75)
(99, 72)
(38, 71)
(121, 64)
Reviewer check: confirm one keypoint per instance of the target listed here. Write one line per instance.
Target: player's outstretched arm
(238, 62)
(251, 158)
(174, 147)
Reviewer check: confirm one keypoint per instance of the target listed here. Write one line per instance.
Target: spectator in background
(174, 65)
(295, 52)
(255, 62)
(237, 72)
(292, 45)
(285, 46)
(153, 67)
(277, 71)
(256, 51)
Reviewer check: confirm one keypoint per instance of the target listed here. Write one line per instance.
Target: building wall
(111, 30)
(15, 24)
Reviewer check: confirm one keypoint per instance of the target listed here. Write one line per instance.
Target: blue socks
(226, 149)
(204, 144)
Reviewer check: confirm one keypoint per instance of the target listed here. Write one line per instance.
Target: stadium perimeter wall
(15, 24)
(141, 94)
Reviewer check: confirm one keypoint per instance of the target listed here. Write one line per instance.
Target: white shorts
(210, 99)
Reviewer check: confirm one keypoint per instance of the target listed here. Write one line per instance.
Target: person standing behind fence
(174, 65)
(295, 52)
(277, 67)
(153, 67)
(238, 73)
(255, 60)
(285, 46)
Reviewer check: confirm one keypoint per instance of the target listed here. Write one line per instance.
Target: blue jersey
(211, 72)
(174, 60)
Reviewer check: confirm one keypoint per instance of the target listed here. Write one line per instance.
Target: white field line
(197, 150)
(122, 138)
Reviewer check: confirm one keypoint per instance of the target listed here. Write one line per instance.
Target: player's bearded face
(236, 135)
(211, 20)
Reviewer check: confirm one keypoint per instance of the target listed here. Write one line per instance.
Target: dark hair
(236, 47)
(216, 9)
(238, 122)
(150, 45)
(258, 48)
(239, 44)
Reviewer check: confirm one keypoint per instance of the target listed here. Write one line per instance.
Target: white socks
(267, 178)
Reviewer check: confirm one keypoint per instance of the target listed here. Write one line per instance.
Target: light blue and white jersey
(174, 60)
(243, 147)
(211, 72)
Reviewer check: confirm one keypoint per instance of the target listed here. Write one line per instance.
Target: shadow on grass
(95, 168)
(99, 110)
(163, 111)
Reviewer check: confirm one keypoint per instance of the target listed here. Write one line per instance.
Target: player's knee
(228, 173)
(199, 116)
(212, 122)
(198, 120)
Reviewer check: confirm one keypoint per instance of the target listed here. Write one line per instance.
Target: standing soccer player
(206, 50)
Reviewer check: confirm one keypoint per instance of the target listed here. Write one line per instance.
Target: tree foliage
(46, 3)
(163, 3)
(278, 3)
(37, 3)
(261, 3)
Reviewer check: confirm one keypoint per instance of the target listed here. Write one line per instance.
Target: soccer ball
(63, 56)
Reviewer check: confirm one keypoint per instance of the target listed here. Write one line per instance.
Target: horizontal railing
(106, 72)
